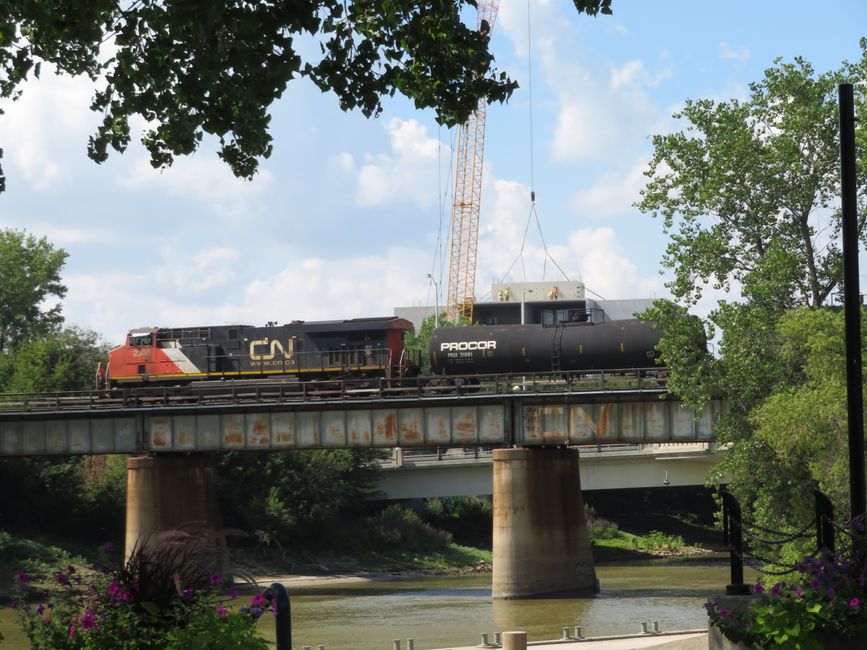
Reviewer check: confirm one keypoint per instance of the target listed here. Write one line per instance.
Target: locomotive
(358, 347)
(372, 348)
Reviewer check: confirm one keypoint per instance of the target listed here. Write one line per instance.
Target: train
(371, 348)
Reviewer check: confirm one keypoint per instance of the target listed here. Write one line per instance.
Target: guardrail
(285, 391)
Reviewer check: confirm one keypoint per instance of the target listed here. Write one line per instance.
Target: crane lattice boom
(466, 201)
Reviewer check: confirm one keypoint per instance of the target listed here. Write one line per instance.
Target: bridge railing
(287, 391)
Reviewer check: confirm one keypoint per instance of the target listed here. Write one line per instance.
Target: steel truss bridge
(601, 408)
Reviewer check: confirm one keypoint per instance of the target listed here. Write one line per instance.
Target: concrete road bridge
(461, 471)
(540, 542)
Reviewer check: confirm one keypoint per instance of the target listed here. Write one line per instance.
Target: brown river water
(444, 611)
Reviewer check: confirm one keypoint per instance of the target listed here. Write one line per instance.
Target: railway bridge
(533, 423)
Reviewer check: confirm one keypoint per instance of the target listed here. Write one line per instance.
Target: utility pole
(852, 311)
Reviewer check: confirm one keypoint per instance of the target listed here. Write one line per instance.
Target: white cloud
(726, 51)
(612, 194)
(406, 173)
(605, 268)
(46, 130)
(603, 110)
(203, 177)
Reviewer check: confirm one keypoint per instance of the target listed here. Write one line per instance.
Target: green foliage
(30, 269)
(827, 600)
(400, 527)
(416, 343)
(69, 503)
(164, 598)
(55, 362)
(299, 499)
(188, 69)
(599, 528)
(468, 519)
(738, 191)
(748, 194)
(661, 541)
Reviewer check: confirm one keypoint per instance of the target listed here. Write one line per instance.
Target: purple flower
(255, 612)
(109, 547)
(187, 594)
(40, 608)
(777, 589)
(725, 613)
(854, 602)
(23, 577)
(216, 579)
(62, 578)
(758, 588)
(222, 612)
(233, 592)
(832, 593)
(70, 569)
(799, 592)
(88, 620)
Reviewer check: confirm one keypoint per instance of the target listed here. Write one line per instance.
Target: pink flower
(222, 612)
(23, 577)
(71, 631)
(257, 600)
(854, 602)
(799, 592)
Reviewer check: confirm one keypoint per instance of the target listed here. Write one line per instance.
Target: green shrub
(599, 528)
(658, 540)
(400, 527)
(468, 519)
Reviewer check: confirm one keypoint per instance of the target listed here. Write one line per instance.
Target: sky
(349, 215)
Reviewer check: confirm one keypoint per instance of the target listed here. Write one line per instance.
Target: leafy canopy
(189, 67)
(747, 193)
(30, 269)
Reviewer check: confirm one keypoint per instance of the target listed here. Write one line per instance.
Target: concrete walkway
(688, 640)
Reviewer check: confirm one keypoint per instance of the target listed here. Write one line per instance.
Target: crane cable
(533, 213)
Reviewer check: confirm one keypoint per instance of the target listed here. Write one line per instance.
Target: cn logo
(258, 354)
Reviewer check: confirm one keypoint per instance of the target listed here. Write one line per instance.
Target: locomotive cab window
(141, 341)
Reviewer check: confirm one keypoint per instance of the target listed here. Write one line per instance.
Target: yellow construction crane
(466, 200)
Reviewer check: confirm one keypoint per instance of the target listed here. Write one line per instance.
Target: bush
(658, 540)
(468, 519)
(827, 601)
(163, 598)
(400, 527)
(599, 528)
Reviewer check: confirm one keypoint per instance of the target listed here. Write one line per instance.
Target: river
(444, 611)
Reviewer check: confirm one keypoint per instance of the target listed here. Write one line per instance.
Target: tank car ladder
(556, 346)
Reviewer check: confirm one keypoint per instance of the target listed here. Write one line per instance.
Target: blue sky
(349, 214)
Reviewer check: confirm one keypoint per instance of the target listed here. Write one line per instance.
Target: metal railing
(232, 391)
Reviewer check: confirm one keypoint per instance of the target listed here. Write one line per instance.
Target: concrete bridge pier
(173, 492)
(540, 546)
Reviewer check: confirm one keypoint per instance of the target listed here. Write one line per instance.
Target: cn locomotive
(373, 348)
(359, 347)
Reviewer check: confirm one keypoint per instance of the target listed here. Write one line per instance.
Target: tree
(215, 67)
(30, 269)
(65, 361)
(747, 194)
(300, 499)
